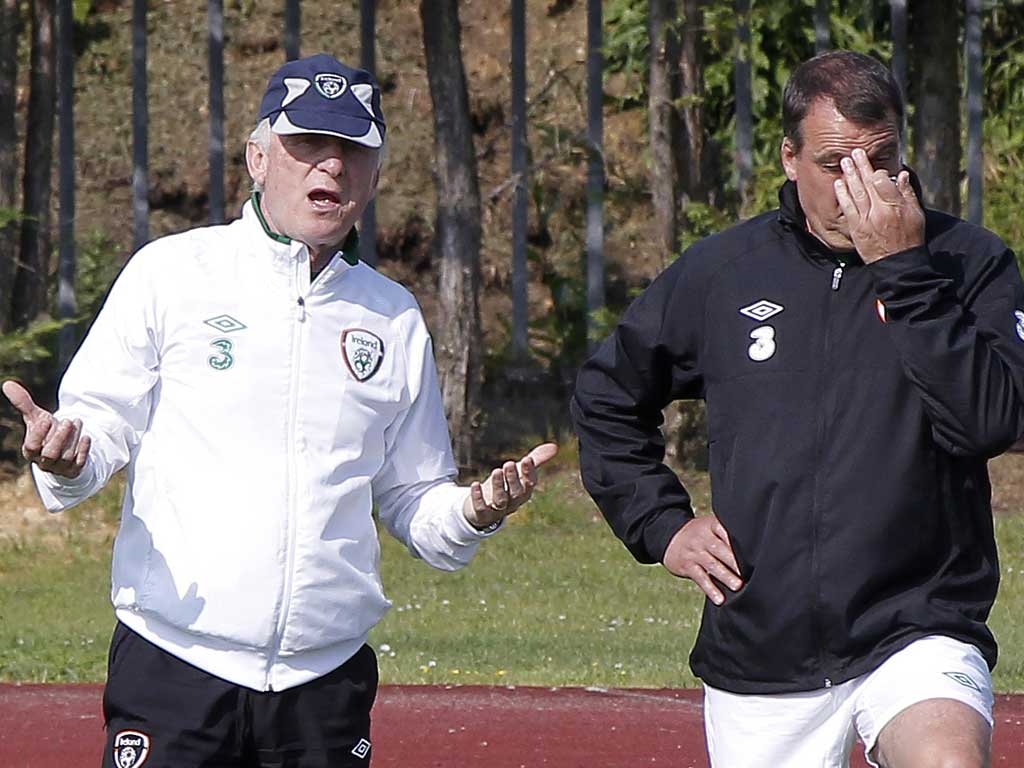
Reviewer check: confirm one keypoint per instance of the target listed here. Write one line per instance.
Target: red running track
(60, 726)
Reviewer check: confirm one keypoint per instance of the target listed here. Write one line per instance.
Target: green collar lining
(349, 248)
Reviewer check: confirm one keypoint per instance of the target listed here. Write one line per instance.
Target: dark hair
(862, 89)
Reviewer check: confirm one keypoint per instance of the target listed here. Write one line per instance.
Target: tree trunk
(67, 304)
(215, 16)
(140, 127)
(975, 112)
(744, 104)
(595, 169)
(695, 174)
(292, 29)
(520, 293)
(684, 427)
(822, 26)
(368, 61)
(937, 98)
(898, 16)
(661, 113)
(686, 435)
(458, 228)
(10, 21)
(29, 300)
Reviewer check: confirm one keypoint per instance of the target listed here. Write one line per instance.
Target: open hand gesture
(884, 217)
(506, 489)
(56, 445)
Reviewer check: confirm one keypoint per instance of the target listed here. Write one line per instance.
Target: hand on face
(56, 445)
(813, 159)
(883, 217)
(506, 489)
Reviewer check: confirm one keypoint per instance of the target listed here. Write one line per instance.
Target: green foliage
(563, 330)
(97, 266)
(602, 323)
(99, 261)
(781, 37)
(9, 216)
(701, 220)
(1004, 123)
(33, 345)
(81, 10)
(627, 46)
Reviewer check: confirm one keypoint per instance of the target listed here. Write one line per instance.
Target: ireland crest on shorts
(363, 352)
(131, 748)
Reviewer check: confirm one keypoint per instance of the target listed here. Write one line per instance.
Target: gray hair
(260, 136)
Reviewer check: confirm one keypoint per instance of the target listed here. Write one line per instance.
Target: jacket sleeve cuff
(659, 531)
(890, 273)
(466, 532)
(58, 493)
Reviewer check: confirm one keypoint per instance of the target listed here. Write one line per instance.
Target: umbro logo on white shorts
(963, 679)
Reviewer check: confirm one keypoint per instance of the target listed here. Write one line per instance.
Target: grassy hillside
(178, 129)
(178, 166)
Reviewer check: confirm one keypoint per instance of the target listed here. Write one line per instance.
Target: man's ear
(376, 179)
(788, 154)
(256, 160)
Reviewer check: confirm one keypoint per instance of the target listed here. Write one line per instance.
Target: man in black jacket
(861, 360)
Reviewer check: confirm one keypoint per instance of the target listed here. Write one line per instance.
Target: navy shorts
(161, 712)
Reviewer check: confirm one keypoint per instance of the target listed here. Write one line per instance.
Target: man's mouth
(324, 199)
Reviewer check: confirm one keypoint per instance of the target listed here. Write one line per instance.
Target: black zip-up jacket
(851, 409)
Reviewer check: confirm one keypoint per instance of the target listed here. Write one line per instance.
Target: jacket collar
(792, 217)
(349, 248)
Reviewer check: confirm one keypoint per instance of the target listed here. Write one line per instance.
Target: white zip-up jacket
(260, 418)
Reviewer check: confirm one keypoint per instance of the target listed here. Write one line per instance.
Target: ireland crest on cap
(363, 352)
(330, 85)
(131, 748)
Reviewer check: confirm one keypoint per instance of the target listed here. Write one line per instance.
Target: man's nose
(332, 163)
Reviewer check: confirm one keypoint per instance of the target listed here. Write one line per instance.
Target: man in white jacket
(264, 390)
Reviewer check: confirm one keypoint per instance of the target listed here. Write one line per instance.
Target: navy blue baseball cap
(319, 94)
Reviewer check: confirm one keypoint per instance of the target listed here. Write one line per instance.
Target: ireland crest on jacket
(363, 352)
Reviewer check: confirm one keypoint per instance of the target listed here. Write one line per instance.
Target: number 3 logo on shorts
(764, 343)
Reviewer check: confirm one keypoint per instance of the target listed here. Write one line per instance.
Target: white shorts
(818, 728)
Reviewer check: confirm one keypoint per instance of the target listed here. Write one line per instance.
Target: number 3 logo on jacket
(225, 359)
(764, 343)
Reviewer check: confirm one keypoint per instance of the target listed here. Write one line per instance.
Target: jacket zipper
(817, 505)
(291, 505)
(837, 276)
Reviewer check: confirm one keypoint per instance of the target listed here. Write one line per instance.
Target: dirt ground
(23, 517)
